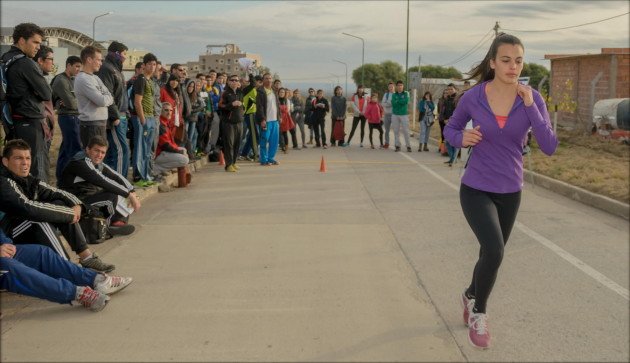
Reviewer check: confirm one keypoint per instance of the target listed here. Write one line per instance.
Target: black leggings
(355, 123)
(491, 216)
(378, 127)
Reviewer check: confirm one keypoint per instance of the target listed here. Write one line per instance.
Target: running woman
(502, 111)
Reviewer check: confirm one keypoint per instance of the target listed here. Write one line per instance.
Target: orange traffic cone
(322, 168)
(221, 158)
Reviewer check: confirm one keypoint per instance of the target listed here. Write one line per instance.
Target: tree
(378, 75)
(430, 71)
(535, 72)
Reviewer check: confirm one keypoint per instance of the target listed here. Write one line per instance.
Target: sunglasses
(234, 80)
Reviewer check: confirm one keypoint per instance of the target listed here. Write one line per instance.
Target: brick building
(576, 82)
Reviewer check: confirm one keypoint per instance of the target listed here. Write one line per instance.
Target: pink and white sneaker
(478, 333)
(467, 304)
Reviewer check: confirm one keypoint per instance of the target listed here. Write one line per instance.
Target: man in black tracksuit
(26, 90)
(32, 210)
(98, 185)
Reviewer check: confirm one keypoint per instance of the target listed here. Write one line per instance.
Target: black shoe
(122, 230)
(408, 149)
(397, 148)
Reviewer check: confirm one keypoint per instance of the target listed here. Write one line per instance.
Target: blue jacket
(4, 239)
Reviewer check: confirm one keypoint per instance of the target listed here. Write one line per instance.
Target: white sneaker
(91, 299)
(108, 285)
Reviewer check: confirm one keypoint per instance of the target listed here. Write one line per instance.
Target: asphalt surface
(363, 262)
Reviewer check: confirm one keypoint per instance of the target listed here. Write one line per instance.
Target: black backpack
(94, 226)
(6, 118)
(130, 96)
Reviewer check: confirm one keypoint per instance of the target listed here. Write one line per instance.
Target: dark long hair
(482, 72)
(430, 96)
(171, 91)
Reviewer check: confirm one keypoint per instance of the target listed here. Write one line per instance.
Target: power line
(472, 50)
(567, 27)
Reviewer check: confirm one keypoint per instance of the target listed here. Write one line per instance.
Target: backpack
(94, 227)
(6, 118)
(130, 96)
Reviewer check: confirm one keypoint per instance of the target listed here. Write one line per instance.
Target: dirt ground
(589, 162)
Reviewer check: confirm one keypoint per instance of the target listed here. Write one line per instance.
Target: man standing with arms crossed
(400, 115)
(26, 90)
(67, 112)
(92, 96)
(111, 74)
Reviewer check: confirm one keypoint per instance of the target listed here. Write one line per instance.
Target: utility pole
(407, 51)
(496, 29)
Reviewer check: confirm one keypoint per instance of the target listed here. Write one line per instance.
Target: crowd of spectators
(157, 121)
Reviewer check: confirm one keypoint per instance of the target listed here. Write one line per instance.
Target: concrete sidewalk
(278, 263)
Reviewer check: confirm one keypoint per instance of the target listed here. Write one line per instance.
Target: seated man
(35, 270)
(31, 209)
(87, 177)
(168, 155)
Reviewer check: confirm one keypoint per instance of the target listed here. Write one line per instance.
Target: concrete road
(364, 262)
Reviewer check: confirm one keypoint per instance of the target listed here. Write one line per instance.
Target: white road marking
(596, 275)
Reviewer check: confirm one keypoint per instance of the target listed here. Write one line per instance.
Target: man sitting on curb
(168, 155)
(35, 270)
(31, 209)
(94, 183)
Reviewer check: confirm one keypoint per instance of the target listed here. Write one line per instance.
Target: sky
(299, 39)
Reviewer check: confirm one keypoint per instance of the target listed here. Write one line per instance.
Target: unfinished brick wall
(579, 72)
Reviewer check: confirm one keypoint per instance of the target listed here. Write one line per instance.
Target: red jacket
(373, 113)
(166, 142)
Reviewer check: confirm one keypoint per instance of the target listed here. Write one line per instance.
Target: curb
(604, 203)
(170, 181)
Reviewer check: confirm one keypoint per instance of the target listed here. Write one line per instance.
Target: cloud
(300, 38)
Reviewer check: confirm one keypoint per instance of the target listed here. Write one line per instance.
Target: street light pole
(94, 25)
(345, 64)
(336, 75)
(362, 56)
(407, 51)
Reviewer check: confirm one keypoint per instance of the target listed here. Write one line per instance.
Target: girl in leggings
(502, 111)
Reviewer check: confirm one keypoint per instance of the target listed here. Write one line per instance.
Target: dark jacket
(31, 199)
(231, 114)
(26, 87)
(318, 112)
(338, 107)
(448, 107)
(83, 178)
(63, 91)
(111, 75)
(261, 105)
(194, 106)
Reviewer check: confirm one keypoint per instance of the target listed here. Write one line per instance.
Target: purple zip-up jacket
(496, 163)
